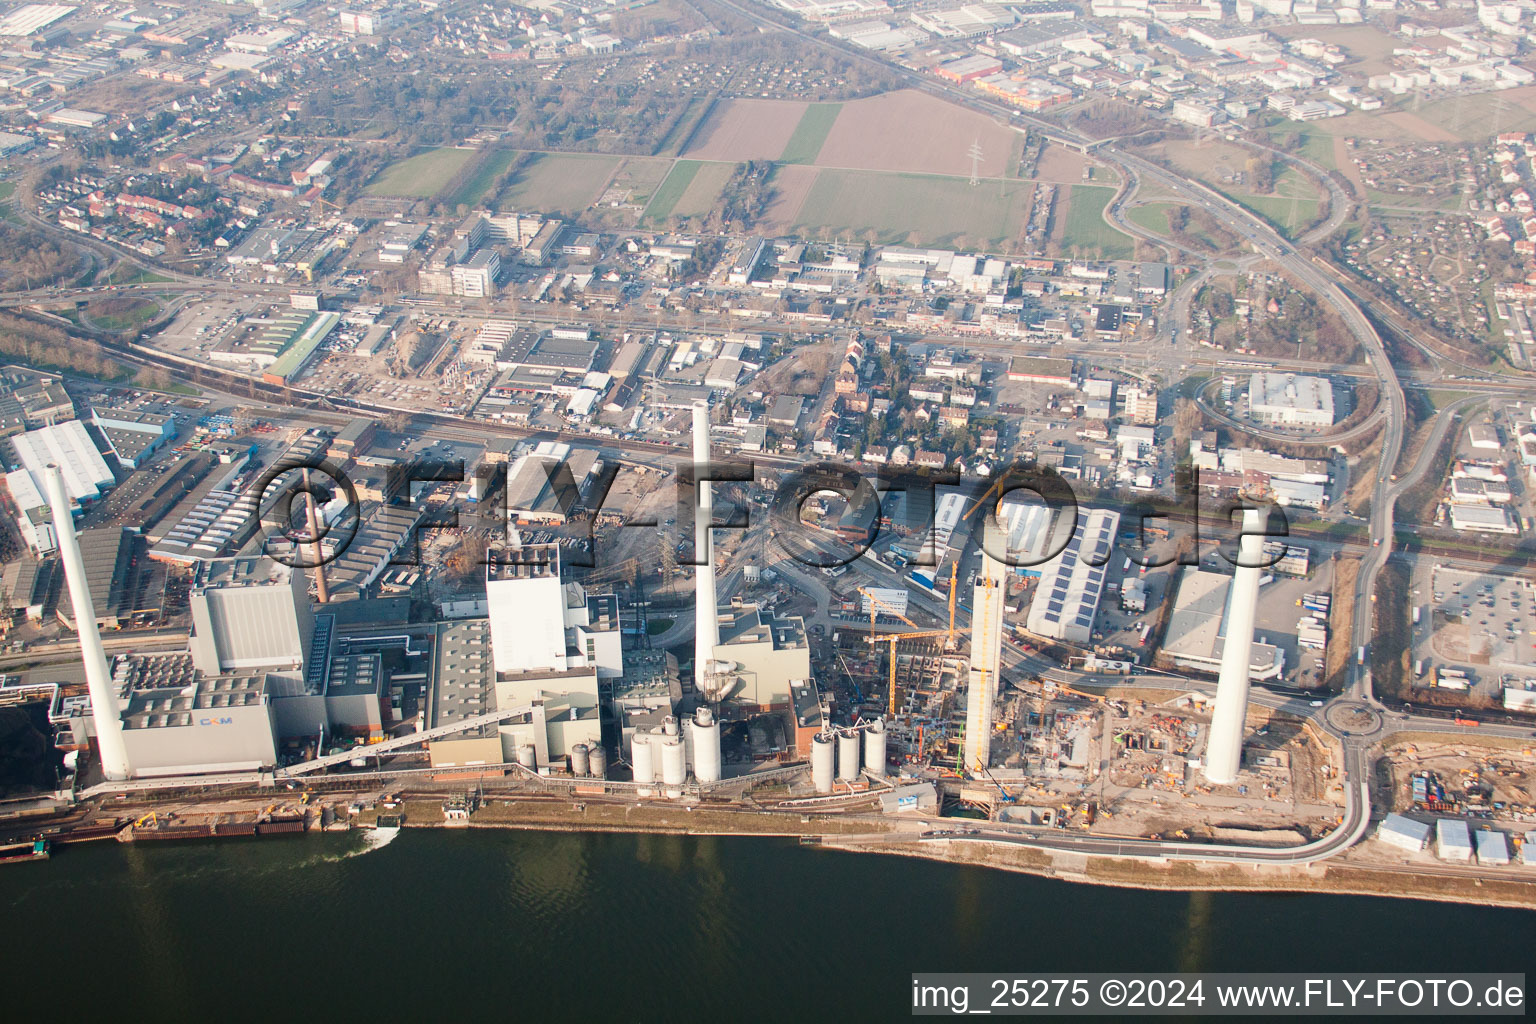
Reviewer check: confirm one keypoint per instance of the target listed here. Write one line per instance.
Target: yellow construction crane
(875, 605)
(995, 488)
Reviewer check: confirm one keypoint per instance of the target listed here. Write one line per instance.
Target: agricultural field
(740, 130)
(912, 131)
(640, 177)
(474, 189)
(559, 182)
(1472, 118)
(1064, 166)
(421, 176)
(912, 209)
(811, 133)
(672, 189)
(691, 190)
(703, 192)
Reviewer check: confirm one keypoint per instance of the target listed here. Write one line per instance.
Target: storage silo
(598, 762)
(581, 761)
(821, 762)
(674, 761)
(527, 756)
(643, 758)
(706, 746)
(848, 755)
(874, 748)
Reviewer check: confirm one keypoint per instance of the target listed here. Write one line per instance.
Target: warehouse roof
(69, 446)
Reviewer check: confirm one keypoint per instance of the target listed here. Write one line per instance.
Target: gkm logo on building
(311, 514)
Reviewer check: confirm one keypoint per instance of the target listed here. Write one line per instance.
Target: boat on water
(37, 849)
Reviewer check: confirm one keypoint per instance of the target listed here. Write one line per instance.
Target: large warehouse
(1289, 400)
(1197, 627)
(535, 490)
(1071, 584)
(67, 445)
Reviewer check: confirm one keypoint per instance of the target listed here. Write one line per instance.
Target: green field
(473, 190)
(129, 315)
(559, 182)
(129, 274)
(421, 176)
(1152, 216)
(810, 133)
(917, 209)
(1086, 233)
(672, 189)
(1289, 215)
(1319, 149)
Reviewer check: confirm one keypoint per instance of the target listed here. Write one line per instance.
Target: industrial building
(1453, 840)
(133, 432)
(931, 548)
(761, 654)
(1468, 518)
(1404, 833)
(465, 688)
(536, 489)
(67, 445)
(33, 517)
(1197, 628)
(210, 724)
(249, 614)
(1290, 400)
(1072, 583)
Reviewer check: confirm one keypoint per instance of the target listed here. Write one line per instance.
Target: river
(543, 925)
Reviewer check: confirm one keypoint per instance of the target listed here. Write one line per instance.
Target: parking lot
(1480, 623)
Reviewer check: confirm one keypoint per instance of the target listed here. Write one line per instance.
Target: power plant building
(249, 614)
(762, 654)
(550, 644)
(174, 725)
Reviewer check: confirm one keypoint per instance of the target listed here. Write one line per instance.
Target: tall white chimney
(706, 631)
(1224, 752)
(104, 711)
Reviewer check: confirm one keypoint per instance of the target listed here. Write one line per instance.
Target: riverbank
(1329, 877)
(870, 834)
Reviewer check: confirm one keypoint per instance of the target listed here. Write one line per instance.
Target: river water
(557, 926)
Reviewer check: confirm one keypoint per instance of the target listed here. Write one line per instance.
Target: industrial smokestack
(104, 711)
(986, 663)
(322, 593)
(706, 632)
(1224, 752)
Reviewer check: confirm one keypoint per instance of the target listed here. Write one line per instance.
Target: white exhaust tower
(1224, 752)
(706, 632)
(104, 710)
(987, 609)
